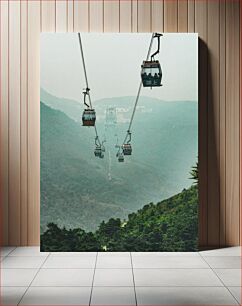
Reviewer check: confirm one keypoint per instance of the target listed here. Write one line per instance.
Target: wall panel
(134, 15)
(111, 16)
(70, 15)
(48, 15)
(24, 122)
(144, 15)
(171, 15)
(217, 23)
(213, 122)
(96, 16)
(191, 15)
(157, 14)
(232, 121)
(201, 28)
(222, 127)
(33, 123)
(14, 121)
(81, 15)
(4, 29)
(125, 15)
(182, 16)
(61, 16)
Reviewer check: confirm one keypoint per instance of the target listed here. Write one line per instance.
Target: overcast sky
(113, 65)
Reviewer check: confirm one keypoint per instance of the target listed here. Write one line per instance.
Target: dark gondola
(99, 148)
(126, 147)
(98, 152)
(89, 117)
(89, 114)
(151, 73)
(120, 158)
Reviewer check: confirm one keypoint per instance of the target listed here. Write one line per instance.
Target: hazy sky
(113, 65)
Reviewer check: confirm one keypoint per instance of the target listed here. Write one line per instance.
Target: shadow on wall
(209, 176)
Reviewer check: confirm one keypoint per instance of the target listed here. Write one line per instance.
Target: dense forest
(170, 225)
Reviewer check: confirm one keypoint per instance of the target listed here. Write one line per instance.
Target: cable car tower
(151, 76)
(89, 114)
(111, 116)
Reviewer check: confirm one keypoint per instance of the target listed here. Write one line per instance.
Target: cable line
(137, 99)
(90, 111)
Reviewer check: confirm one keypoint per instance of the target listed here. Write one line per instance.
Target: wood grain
(201, 28)
(157, 16)
(191, 16)
(111, 16)
(171, 15)
(33, 123)
(4, 123)
(125, 16)
(24, 123)
(183, 16)
(134, 16)
(144, 16)
(48, 16)
(61, 16)
(222, 127)
(70, 15)
(81, 16)
(14, 121)
(213, 124)
(232, 122)
(96, 16)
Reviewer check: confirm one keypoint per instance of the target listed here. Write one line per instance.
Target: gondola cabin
(98, 152)
(151, 74)
(127, 149)
(121, 158)
(88, 117)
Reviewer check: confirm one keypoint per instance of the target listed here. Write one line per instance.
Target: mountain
(75, 187)
(71, 181)
(79, 190)
(169, 226)
(70, 107)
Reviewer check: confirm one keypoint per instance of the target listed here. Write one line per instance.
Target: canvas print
(119, 142)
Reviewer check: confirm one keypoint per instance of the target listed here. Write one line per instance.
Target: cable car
(102, 146)
(89, 114)
(151, 73)
(98, 152)
(99, 148)
(127, 149)
(89, 117)
(120, 158)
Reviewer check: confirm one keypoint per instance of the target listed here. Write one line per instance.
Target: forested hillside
(79, 190)
(170, 225)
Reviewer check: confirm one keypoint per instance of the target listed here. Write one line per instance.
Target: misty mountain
(79, 190)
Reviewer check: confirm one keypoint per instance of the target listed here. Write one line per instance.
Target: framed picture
(119, 142)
